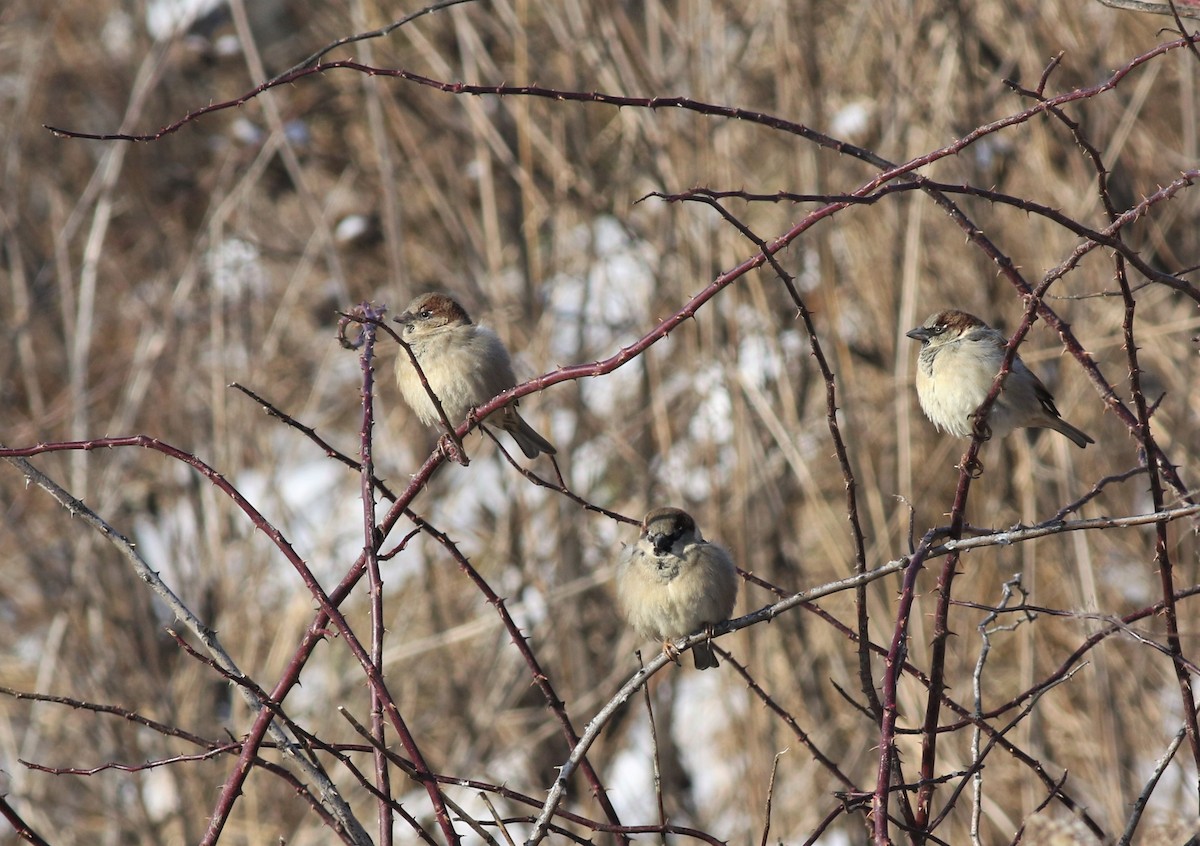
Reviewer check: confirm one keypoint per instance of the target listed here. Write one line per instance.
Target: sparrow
(466, 365)
(959, 358)
(672, 583)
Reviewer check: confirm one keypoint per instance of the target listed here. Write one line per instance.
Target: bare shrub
(705, 227)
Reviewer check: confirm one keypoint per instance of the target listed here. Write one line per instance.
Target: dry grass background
(139, 280)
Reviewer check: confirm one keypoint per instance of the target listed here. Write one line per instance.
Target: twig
(337, 806)
(458, 452)
(560, 487)
(328, 604)
(1160, 767)
(977, 762)
(412, 773)
(839, 446)
(985, 648)
(371, 556)
(1144, 434)
(21, 828)
(770, 796)
(540, 678)
(655, 762)
(487, 800)
(789, 720)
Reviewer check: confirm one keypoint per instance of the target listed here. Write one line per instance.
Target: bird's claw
(450, 448)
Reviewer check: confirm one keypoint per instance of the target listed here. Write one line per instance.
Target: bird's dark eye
(425, 314)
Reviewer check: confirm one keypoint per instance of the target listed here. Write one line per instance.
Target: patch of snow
(852, 120)
(167, 18)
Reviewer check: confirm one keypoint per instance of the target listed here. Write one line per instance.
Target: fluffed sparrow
(466, 365)
(959, 358)
(672, 583)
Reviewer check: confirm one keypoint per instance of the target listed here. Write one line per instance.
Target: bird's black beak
(919, 334)
(662, 543)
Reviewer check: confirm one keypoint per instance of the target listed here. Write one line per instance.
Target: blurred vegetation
(139, 280)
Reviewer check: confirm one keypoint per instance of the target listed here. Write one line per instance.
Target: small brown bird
(466, 365)
(959, 358)
(672, 583)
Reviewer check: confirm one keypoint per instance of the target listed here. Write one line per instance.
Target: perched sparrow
(466, 366)
(959, 359)
(673, 583)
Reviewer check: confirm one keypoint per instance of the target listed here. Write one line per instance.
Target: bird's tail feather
(530, 442)
(704, 656)
(1078, 437)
